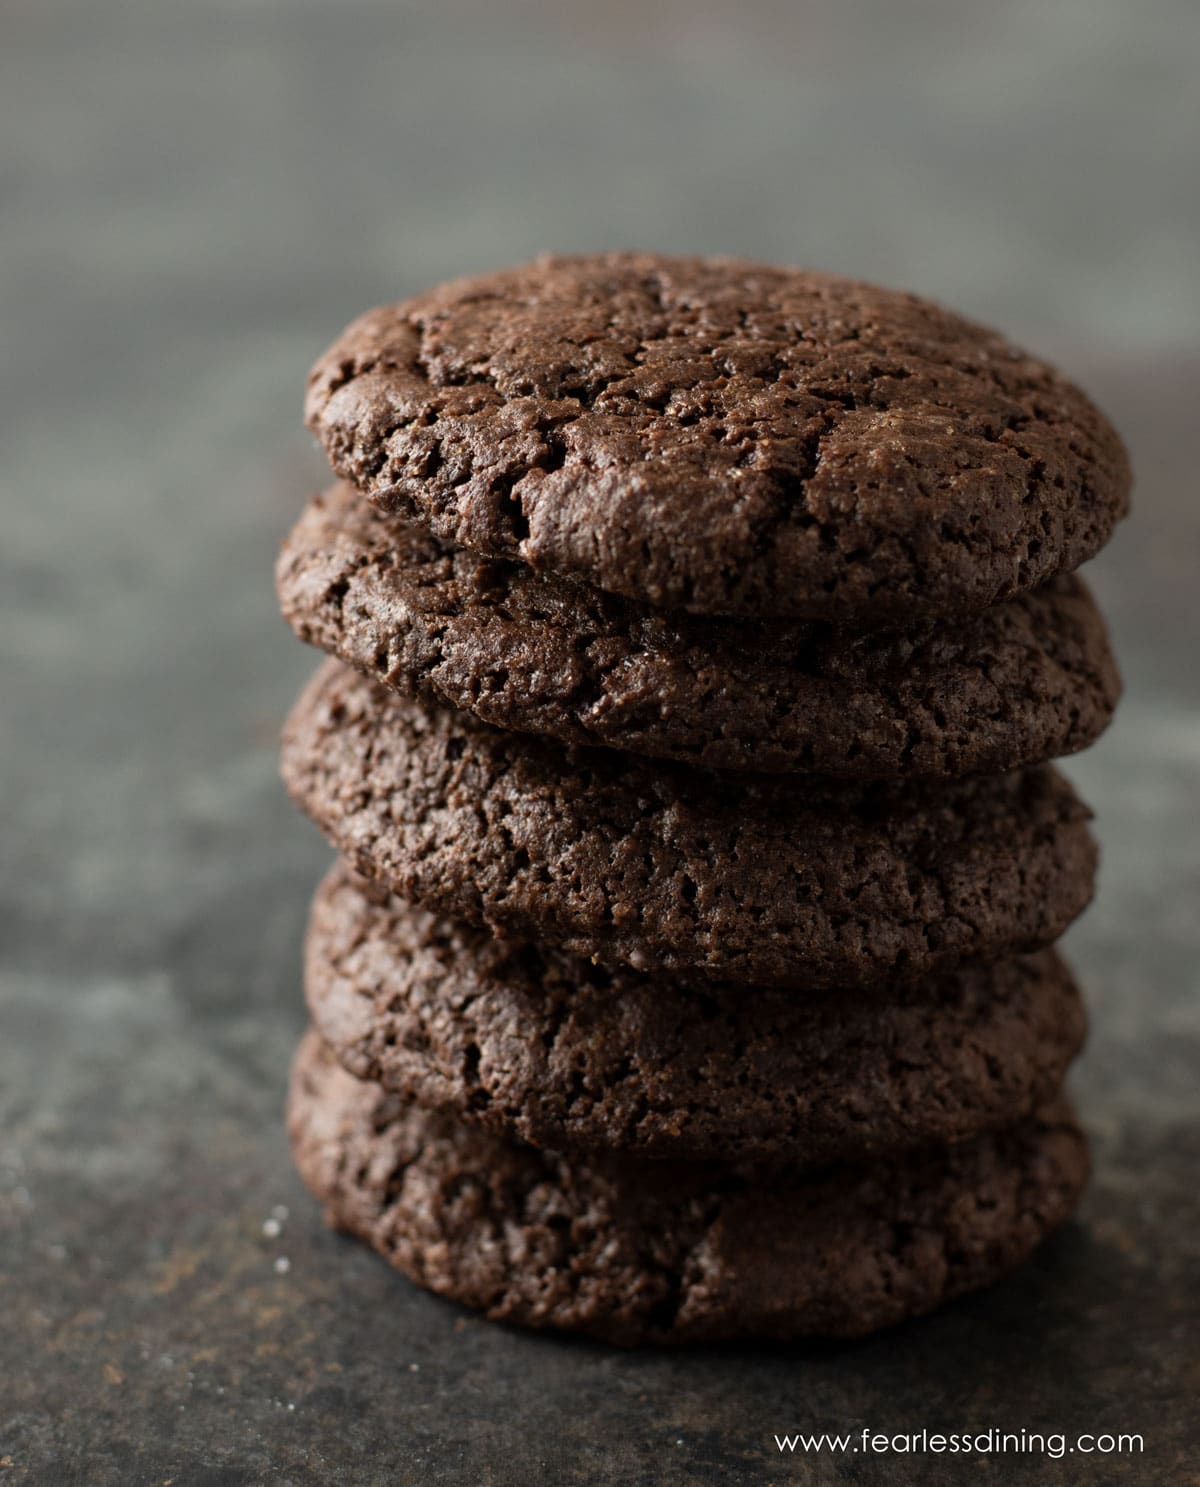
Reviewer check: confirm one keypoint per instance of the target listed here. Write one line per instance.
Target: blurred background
(194, 197)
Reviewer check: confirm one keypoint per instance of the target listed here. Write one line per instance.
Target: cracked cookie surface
(550, 1049)
(757, 879)
(665, 1252)
(1021, 682)
(723, 437)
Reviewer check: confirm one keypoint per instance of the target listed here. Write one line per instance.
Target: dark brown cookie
(751, 878)
(1022, 682)
(723, 437)
(547, 1048)
(665, 1252)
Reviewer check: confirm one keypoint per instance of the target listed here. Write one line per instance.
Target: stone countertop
(196, 198)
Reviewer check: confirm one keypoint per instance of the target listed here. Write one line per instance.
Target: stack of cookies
(700, 634)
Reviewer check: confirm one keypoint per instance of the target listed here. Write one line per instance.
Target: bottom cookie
(637, 1251)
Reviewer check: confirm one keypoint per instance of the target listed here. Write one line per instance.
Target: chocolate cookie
(1022, 682)
(637, 1251)
(723, 437)
(751, 878)
(549, 1049)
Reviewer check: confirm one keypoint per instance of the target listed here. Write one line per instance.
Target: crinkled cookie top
(723, 436)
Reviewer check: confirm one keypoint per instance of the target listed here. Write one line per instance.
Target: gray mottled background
(193, 198)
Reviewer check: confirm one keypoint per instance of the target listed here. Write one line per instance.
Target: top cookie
(723, 437)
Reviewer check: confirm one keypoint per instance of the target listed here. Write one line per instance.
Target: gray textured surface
(194, 200)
